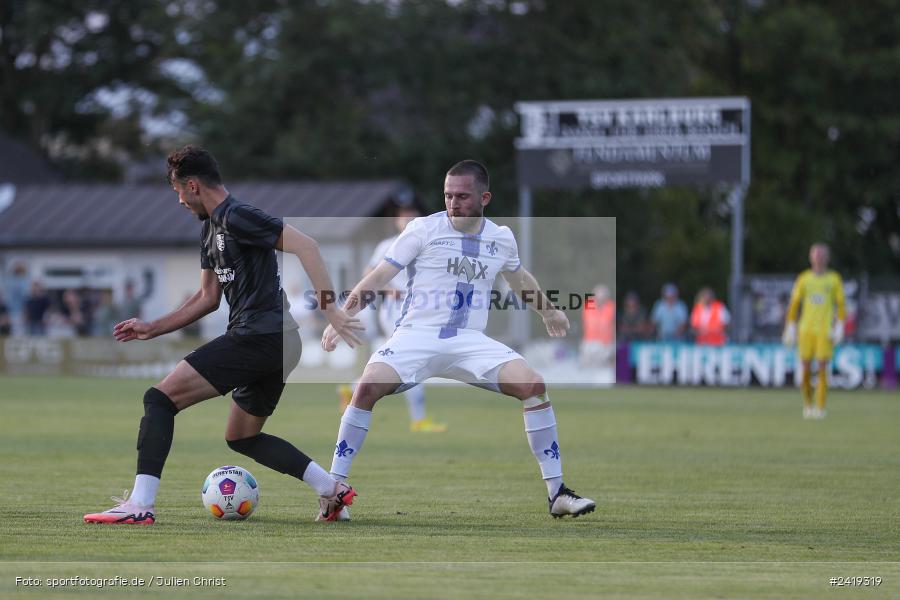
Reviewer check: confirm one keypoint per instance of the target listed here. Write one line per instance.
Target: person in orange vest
(598, 342)
(709, 319)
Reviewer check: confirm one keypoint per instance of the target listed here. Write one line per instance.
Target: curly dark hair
(193, 161)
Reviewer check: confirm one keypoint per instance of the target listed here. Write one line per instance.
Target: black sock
(273, 452)
(155, 434)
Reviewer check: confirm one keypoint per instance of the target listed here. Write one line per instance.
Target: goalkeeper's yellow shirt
(820, 295)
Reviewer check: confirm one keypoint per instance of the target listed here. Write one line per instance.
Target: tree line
(331, 89)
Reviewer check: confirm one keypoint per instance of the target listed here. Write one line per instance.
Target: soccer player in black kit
(260, 347)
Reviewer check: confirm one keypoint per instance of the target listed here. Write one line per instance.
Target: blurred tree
(388, 88)
(826, 133)
(77, 78)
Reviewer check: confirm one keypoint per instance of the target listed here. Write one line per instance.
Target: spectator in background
(633, 323)
(88, 299)
(36, 306)
(669, 315)
(131, 304)
(16, 285)
(64, 317)
(709, 319)
(106, 315)
(5, 324)
(599, 338)
(71, 310)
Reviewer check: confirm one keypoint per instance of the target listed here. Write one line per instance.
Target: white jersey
(450, 274)
(399, 281)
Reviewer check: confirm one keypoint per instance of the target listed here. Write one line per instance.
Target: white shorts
(416, 354)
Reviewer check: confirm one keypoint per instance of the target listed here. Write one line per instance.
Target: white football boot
(567, 502)
(124, 513)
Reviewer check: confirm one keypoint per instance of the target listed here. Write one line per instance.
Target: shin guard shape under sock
(155, 433)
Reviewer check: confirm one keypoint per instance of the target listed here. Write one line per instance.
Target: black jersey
(238, 241)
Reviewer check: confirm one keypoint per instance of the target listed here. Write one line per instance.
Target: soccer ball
(230, 492)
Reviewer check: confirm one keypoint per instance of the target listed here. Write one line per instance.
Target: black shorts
(252, 366)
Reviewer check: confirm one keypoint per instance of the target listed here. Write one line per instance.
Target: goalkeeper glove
(789, 337)
(837, 334)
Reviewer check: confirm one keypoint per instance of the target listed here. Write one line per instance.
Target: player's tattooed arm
(369, 286)
(307, 250)
(203, 302)
(386, 291)
(363, 294)
(529, 290)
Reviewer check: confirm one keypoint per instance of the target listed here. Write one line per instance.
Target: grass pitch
(701, 494)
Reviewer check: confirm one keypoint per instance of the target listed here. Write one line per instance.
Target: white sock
(351, 435)
(553, 485)
(318, 479)
(540, 429)
(144, 492)
(415, 402)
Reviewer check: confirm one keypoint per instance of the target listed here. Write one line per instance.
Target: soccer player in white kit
(392, 296)
(452, 259)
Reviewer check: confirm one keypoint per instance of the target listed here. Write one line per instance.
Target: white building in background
(100, 236)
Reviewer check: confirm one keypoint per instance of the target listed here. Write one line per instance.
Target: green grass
(702, 494)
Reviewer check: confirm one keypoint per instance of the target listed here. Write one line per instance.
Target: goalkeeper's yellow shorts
(815, 345)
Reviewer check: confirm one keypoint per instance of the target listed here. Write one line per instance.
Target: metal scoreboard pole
(648, 143)
(739, 327)
(736, 202)
(521, 322)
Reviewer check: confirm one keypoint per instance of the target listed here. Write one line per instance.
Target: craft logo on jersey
(553, 451)
(343, 449)
(471, 269)
(492, 248)
(220, 242)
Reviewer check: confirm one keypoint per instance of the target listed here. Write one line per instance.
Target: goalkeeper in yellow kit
(819, 291)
